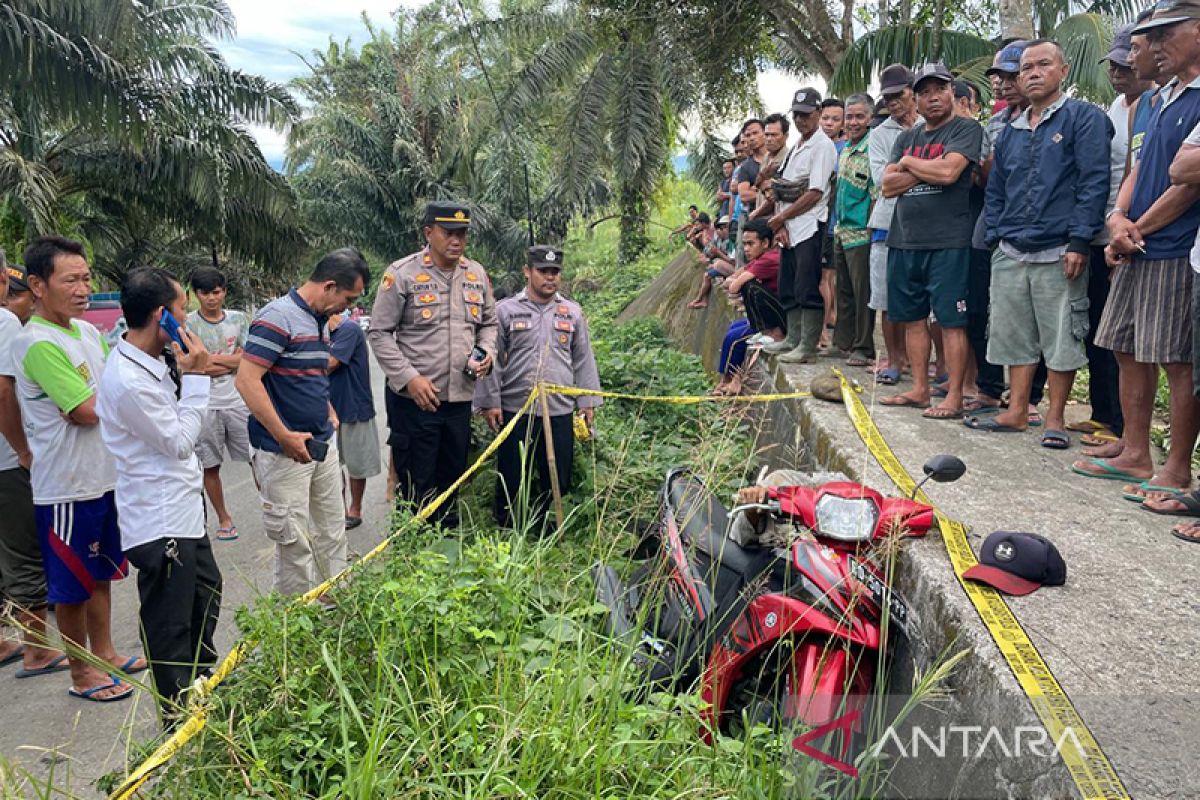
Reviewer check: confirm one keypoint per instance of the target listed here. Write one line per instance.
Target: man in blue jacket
(1045, 203)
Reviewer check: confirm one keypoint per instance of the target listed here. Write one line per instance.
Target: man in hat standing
(895, 84)
(433, 330)
(809, 168)
(542, 337)
(929, 240)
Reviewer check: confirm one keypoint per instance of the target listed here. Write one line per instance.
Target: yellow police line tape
(1086, 762)
(1090, 769)
(676, 400)
(198, 705)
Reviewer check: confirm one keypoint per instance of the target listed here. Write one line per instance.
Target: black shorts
(920, 281)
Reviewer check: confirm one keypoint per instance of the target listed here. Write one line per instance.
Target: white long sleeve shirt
(152, 437)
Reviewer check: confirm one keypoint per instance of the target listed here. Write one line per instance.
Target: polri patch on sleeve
(389, 280)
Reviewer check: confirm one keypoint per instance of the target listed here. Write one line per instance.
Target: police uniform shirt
(426, 321)
(539, 341)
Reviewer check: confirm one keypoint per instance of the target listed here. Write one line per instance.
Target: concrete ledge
(1120, 637)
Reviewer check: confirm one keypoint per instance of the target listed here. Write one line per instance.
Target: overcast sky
(272, 35)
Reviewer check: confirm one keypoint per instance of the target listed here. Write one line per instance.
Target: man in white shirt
(59, 360)
(811, 163)
(152, 436)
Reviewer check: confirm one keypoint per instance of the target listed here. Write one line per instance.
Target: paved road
(47, 733)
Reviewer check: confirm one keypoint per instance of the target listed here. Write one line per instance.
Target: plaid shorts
(1149, 311)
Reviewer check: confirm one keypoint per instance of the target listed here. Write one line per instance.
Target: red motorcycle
(784, 637)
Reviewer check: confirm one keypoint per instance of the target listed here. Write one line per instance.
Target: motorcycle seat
(703, 520)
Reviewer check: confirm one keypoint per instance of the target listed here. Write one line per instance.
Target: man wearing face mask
(433, 330)
(542, 337)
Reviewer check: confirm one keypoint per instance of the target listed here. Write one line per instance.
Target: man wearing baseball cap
(896, 89)
(929, 242)
(810, 165)
(989, 378)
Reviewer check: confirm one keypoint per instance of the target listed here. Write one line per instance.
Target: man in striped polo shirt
(284, 382)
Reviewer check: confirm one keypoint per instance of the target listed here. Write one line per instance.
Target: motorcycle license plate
(883, 596)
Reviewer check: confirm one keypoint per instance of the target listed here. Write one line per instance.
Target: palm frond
(911, 45)
(1085, 39)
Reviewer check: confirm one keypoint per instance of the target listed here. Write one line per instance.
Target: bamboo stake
(547, 434)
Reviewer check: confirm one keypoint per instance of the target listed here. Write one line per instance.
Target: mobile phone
(478, 354)
(316, 448)
(171, 325)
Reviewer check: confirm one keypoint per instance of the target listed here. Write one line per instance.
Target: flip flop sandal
(90, 694)
(989, 425)
(1098, 439)
(1191, 506)
(1185, 537)
(902, 401)
(1108, 472)
(943, 413)
(1035, 419)
(13, 657)
(227, 534)
(128, 667)
(858, 361)
(59, 664)
(1055, 440)
(1088, 426)
(887, 377)
(353, 522)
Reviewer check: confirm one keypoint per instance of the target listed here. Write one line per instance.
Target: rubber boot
(793, 335)
(812, 320)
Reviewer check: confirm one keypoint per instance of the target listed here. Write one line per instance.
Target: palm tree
(616, 86)
(388, 131)
(119, 110)
(1083, 31)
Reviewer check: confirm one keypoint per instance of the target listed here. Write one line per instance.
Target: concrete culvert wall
(1094, 639)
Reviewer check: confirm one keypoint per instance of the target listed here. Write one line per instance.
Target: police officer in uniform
(543, 338)
(432, 309)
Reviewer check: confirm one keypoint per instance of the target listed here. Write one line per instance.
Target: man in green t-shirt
(226, 422)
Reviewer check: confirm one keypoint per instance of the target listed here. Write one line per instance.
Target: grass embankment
(471, 665)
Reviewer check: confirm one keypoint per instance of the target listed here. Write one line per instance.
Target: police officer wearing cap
(543, 337)
(432, 310)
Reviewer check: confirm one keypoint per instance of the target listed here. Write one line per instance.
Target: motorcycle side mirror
(941, 469)
(945, 468)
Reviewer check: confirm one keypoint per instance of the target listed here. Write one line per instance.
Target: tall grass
(471, 664)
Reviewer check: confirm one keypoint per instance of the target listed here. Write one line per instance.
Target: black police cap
(543, 255)
(451, 216)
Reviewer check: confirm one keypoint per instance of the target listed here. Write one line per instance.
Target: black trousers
(763, 309)
(1102, 364)
(529, 433)
(800, 273)
(429, 450)
(180, 602)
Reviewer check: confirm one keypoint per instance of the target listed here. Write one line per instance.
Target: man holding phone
(284, 380)
(433, 330)
(153, 437)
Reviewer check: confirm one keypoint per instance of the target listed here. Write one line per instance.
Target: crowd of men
(998, 254)
(1050, 237)
(106, 457)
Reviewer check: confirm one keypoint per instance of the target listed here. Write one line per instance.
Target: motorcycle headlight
(847, 519)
